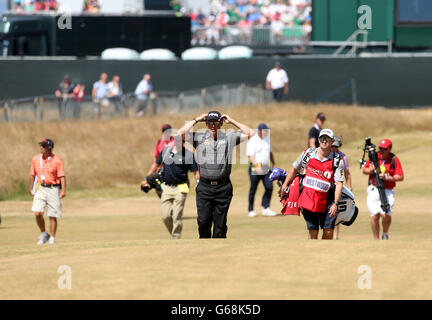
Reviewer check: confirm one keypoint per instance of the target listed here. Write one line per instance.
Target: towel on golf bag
(289, 202)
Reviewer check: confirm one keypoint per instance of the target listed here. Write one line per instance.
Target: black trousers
(254, 181)
(278, 94)
(213, 202)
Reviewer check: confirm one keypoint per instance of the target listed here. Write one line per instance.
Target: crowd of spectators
(277, 15)
(29, 6)
(107, 97)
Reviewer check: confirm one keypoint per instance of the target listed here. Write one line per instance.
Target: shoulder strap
(306, 158)
(392, 165)
(336, 160)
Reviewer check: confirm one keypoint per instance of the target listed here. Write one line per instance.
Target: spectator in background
(277, 27)
(142, 95)
(212, 34)
(245, 26)
(307, 27)
(100, 95)
(175, 5)
(277, 80)
(254, 16)
(64, 92)
(42, 5)
(18, 7)
(92, 6)
(315, 130)
(260, 156)
(115, 93)
(30, 6)
(200, 18)
(78, 95)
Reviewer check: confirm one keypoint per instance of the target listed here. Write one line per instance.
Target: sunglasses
(383, 149)
(325, 139)
(213, 123)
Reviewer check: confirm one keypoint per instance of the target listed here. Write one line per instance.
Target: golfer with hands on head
(214, 149)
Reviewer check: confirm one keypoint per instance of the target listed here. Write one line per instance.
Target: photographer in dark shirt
(177, 163)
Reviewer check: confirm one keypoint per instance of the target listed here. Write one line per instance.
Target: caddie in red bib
(322, 185)
(316, 185)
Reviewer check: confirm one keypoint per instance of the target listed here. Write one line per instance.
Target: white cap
(326, 132)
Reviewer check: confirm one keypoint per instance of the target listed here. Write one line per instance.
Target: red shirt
(391, 172)
(160, 144)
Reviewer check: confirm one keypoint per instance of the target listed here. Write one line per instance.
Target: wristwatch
(336, 202)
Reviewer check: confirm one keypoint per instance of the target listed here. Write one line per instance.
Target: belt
(174, 184)
(215, 182)
(46, 185)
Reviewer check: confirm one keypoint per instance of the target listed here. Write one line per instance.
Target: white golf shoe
(252, 214)
(51, 240)
(43, 238)
(268, 212)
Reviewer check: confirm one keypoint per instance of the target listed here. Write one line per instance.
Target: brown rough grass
(117, 152)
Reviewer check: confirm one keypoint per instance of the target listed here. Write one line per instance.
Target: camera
(154, 181)
(369, 147)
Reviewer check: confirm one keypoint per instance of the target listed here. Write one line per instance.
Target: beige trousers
(173, 202)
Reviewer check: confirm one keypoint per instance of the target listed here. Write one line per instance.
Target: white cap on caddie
(326, 132)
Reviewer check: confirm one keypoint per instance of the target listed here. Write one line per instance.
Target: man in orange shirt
(47, 185)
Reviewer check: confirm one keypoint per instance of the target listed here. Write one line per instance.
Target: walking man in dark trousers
(214, 150)
(260, 155)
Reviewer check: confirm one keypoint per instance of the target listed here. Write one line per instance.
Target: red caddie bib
(316, 185)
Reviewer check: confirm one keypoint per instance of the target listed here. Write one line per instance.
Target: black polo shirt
(176, 165)
(314, 133)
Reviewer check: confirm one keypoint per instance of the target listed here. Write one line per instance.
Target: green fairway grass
(113, 240)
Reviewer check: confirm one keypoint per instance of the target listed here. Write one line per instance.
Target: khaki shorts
(48, 197)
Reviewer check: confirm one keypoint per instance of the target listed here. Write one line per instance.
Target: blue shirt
(143, 89)
(102, 89)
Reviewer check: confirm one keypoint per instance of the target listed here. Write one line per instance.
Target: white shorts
(374, 202)
(48, 197)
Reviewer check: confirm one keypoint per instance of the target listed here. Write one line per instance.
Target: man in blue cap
(277, 80)
(260, 155)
